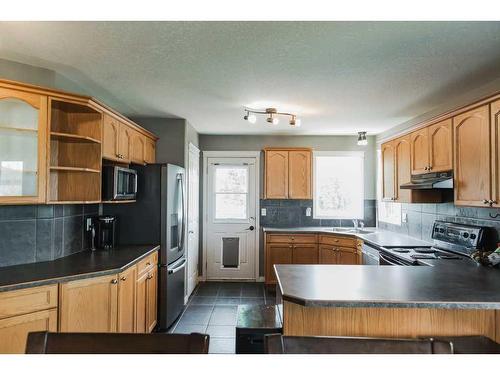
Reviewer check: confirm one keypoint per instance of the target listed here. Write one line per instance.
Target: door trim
(196, 150)
(230, 154)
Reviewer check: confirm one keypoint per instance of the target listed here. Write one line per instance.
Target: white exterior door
(193, 218)
(231, 233)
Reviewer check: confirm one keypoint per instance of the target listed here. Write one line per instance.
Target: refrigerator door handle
(178, 268)
(182, 212)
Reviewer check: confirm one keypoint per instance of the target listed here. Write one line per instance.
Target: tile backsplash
(283, 213)
(422, 216)
(38, 233)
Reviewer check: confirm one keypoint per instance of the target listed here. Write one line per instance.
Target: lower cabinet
(146, 300)
(89, 305)
(290, 248)
(14, 330)
(127, 300)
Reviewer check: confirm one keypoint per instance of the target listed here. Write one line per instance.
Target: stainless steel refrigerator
(159, 217)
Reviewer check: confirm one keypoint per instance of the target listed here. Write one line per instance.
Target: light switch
(308, 211)
(263, 212)
(404, 217)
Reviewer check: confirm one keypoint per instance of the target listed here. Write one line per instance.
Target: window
(338, 185)
(231, 192)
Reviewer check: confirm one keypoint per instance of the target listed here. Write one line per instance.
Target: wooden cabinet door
(328, 254)
(419, 151)
(495, 144)
(151, 298)
(471, 149)
(141, 303)
(277, 254)
(440, 146)
(299, 174)
(276, 174)
(126, 300)
(124, 142)
(137, 148)
(388, 171)
(305, 254)
(150, 152)
(403, 169)
(89, 305)
(111, 131)
(347, 256)
(14, 331)
(23, 147)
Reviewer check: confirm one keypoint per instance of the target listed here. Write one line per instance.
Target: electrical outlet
(308, 211)
(404, 217)
(263, 212)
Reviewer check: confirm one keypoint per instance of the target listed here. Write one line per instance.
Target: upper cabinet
(495, 144)
(473, 161)
(402, 157)
(52, 144)
(288, 173)
(23, 143)
(431, 148)
(388, 172)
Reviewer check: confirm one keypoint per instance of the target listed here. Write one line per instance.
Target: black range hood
(434, 180)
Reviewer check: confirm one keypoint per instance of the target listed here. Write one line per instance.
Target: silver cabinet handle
(114, 281)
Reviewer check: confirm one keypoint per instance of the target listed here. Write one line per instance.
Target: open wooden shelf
(74, 169)
(74, 138)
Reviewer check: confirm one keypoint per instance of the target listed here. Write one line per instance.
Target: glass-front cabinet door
(23, 137)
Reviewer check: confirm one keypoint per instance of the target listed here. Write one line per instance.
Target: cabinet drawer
(337, 241)
(147, 263)
(292, 238)
(27, 300)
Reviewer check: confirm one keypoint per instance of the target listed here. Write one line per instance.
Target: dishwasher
(370, 255)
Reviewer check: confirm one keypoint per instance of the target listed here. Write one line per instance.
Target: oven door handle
(390, 261)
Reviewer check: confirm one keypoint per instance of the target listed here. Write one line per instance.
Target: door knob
(251, 227)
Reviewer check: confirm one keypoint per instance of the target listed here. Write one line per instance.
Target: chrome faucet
(356, 223)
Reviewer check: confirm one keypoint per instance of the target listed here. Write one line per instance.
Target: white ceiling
(339, 77)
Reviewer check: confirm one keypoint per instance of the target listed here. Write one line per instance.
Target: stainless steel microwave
(118, 183)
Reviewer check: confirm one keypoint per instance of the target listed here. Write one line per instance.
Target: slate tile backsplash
(283, 213)
(421, 217)
(38, 233)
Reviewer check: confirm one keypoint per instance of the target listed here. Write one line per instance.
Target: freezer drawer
(172, 292)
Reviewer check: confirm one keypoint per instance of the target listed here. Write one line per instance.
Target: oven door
(125, 183)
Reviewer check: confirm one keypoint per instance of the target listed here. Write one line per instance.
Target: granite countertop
(77, 266)
(376, 238)
(448, 286)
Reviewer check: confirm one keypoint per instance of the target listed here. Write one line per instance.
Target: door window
(231, 192)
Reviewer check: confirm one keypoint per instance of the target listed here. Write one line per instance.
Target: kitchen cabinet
(277, 253)
(150, 151)
(402, 156)
(137, 148)
(124, 142)
(147, 294)
(305, 254)
(23, 146)
(388, 168)
(419, 151)
(276, 177)
(330, 254)
(327, 254)
(299, 174)
(89, 305)
(23, 311)
(431, 148)
(472, 141)
(288, 173)
(111, 134)
(127, 300)
(495, 138)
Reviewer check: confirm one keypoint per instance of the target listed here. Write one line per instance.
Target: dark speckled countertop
(447, 286)
(77, 266)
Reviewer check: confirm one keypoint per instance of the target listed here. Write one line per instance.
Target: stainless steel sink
(350, 230)
(361, 231)
(341, 229)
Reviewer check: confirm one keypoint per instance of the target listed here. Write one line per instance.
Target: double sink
(351, 230)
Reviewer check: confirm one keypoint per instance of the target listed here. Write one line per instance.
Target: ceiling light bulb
(294, 121)
(362, 141)
(252, 119)
(275, 120)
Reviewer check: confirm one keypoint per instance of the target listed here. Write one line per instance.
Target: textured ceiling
(339, 77)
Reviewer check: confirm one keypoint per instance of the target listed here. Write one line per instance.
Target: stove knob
(441, 230)
(472, 236)
(465, 235)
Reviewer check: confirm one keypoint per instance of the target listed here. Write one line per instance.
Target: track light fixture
(362, 141)
(272, 116)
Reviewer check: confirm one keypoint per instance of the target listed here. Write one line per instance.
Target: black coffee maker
(103, 232)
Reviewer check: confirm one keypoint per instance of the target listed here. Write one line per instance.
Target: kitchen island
(389, 301)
